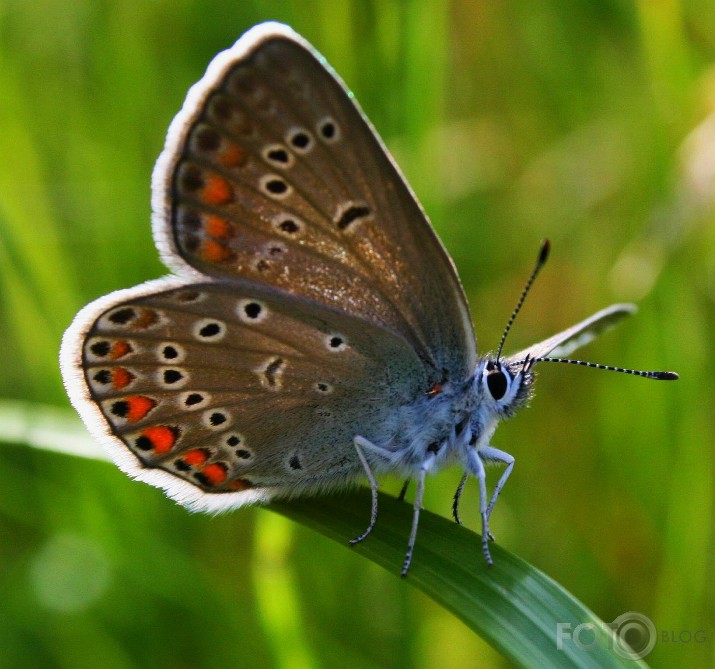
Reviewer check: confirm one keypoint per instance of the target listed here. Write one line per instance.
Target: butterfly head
(504, 387)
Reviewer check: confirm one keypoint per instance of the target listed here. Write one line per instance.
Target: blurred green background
(591, 123)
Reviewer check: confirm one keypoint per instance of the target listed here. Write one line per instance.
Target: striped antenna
(540, 261)
(658, 376)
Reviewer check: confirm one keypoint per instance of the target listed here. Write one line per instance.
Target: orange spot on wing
(215, 473)
(147, 318)
(218, 227)
(121, 377)
(233, 156)
(240, 484)
(162, 438)
(196, 458)
(119, 349)
(216, 190)
(212, 251)
(139, 407)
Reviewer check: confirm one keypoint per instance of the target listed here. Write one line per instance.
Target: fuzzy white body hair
(449, 427)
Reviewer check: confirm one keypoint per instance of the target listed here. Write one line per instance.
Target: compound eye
(498, 383)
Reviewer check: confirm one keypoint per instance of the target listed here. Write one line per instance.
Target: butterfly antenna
(658, 376)
(540, 261)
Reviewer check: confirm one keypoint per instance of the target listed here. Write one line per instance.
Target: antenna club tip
(544, 251)
(668, 376)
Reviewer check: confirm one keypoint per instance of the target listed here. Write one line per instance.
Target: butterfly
(314, 330)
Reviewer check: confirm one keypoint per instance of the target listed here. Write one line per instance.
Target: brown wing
(272, 173)
(225, 394)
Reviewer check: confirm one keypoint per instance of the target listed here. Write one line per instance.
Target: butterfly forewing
(565, 342)
(271, 173)
(232, 387)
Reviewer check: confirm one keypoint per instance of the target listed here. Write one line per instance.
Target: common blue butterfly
(314, 329)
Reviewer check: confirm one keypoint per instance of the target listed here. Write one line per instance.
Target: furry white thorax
(452, 425)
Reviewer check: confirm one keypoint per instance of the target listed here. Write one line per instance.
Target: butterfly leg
(495, 455)
(476, 466)
(458, 498)
(360, 444)
(417, 506)
(403, 491)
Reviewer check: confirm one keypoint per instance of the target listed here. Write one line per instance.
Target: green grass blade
(512, 605)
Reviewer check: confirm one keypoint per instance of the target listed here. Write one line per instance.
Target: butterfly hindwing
(235, 388)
